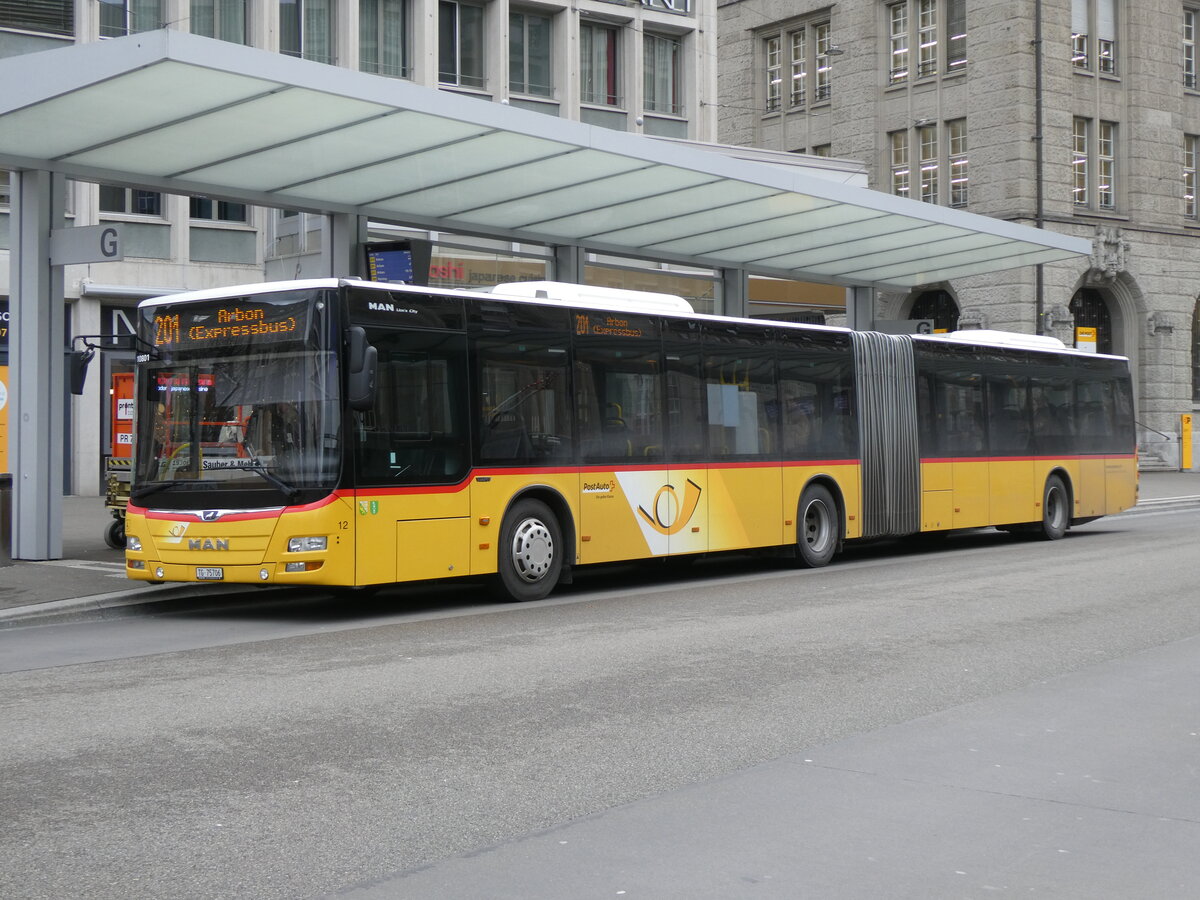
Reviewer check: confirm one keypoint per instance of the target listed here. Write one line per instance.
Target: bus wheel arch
(535, 548)
(1057, 505)
(820, 513)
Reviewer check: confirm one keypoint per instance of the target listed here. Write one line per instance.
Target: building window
(306, 29)
(898, 18)
(927, 38)
(119, 17)
(5, 189)
(774, 69)
(660, 62)
(1079, 162)
(825, 150)
(383, 37)
(529, 42)
(941, 155)
(1094, 161)
(115, 199)
(956, 144)
(922, 24)
(221, 19)
(460, 44)
(217, 210)
(45, 16)
(928, 143)
(1094, 35)
(1106, 165)
(800, 50)
(821, 37)
(899, 160)
(1191, 143)
(1189, 48)
(799, 84)
(599, 76)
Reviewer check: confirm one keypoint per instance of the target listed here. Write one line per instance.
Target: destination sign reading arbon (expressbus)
(227, 324)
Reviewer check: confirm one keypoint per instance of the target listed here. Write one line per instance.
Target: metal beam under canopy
(171, 111)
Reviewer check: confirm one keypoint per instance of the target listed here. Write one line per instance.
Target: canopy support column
(568, 264)
(343, 254)
(734, 299)
(35, 433)
(860, 308)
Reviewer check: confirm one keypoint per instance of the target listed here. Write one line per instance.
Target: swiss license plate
(210, 573)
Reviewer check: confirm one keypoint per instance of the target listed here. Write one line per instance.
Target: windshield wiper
(289, 491)
(155, 487)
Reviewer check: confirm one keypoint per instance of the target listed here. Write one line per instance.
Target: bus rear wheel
(530, 554)
(1056, 509)
(819, 530)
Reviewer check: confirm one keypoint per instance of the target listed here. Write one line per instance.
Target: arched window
(939, 306)
(1090, 310)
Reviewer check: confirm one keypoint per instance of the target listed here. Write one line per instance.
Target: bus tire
(530, 557)
(818, 530)
(114, 534)
(1056, 509)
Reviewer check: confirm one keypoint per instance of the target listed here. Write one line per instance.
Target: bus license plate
(210, 573)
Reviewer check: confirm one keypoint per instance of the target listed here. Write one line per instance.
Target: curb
(112, 605)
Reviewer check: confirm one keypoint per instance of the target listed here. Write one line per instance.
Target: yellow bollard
(1185, 442)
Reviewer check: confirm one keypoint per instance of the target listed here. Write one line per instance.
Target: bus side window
(619, 363)
(525, 412)
(1053, 419)
(1008, 415)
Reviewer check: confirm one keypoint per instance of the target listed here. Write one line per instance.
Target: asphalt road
(300, 749)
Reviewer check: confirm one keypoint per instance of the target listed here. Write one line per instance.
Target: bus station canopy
(171, 111)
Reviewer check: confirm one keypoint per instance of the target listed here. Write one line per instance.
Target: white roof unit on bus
(1005, 339)
(589, 295)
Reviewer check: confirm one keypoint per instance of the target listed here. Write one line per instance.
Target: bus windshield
(243, 396)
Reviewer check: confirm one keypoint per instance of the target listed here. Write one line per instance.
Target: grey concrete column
(734, 293)
(568, 264)
(345, 236)
(860, 308)
(36, 345)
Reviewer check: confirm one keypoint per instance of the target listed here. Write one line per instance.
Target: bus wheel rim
(1055, 507)
(532, 550)
(816, 526)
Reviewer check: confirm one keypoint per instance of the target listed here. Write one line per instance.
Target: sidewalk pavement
(91, 576)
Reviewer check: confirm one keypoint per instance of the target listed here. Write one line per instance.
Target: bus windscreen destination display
(228, 324)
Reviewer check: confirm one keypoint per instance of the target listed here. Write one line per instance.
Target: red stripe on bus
(272, 513)
(991, 459)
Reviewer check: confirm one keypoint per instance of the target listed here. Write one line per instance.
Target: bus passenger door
(412, 506)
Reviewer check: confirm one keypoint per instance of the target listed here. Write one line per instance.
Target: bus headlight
(307, 544)
(133, 542)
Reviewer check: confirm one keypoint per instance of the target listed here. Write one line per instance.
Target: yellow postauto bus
(348, 433)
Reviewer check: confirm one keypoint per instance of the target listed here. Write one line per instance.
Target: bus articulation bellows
(348, 433)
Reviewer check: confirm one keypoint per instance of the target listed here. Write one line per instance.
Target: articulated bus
(353, 434)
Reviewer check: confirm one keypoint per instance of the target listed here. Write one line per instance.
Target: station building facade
(1086, 122)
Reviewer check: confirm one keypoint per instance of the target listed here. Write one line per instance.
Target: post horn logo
(670, 514)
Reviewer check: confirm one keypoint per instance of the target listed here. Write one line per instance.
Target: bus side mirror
(77, 368)
(361, 362)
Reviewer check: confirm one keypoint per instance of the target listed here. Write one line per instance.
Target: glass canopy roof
(190, 115)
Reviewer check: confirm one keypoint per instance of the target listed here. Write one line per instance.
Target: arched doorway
(936, 305)
(1090, 310)
(1196, 353)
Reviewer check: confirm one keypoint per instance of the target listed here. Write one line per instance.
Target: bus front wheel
(530, 555)
(1056, 509)
(819, 531)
